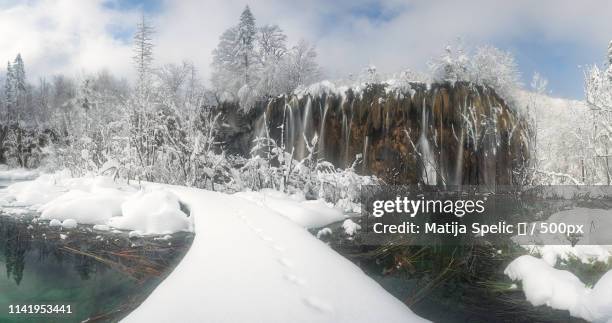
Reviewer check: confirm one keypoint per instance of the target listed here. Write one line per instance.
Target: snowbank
(308, 214)
(249, 264)
(101, 202)
(560, 289)
(16, 173)
(251, 259)
(153, 212)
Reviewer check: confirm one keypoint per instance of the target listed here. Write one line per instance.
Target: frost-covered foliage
(253, 62)
(560, 142)
(162, 129)
(598, 93)
(487, 66)
(272, 166)
(571, 141)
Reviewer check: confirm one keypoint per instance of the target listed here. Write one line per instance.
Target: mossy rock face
(467, 133)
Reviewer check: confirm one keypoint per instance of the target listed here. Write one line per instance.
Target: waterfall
(289, 128)
(428, 169)
(365, 153)
(459, 163)
(322, 131)
(464, 144)
(347, 136)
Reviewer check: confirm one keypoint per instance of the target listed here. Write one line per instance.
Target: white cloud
(64, 37)
(70, 36)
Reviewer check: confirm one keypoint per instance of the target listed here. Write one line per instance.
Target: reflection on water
(102, 277)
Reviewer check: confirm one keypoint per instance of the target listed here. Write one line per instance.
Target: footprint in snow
(295, 279)
(285, 262)
(267, 238)
(318, 304)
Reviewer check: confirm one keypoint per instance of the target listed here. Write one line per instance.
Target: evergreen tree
(20, 88)
(9, 91)
(246, 41)
(19, 74)
(143, 52)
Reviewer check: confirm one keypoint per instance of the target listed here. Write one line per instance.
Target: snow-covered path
(250, 264)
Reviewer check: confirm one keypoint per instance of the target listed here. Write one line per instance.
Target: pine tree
(143, 52)
(19, 73)
(246, 41)
(9, 92)
(19, 88)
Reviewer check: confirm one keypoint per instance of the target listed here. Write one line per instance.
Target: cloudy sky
(555, 38)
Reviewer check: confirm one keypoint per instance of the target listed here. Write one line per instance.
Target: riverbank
(245, 254)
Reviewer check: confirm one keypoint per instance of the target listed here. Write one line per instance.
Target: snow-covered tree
(538, 90)
(10, 92)
(452, 66)
(143, 52)
(272, 43)
(496, 69)
(488, 66)
(300, 66)
(598, 94)
(246, 43)
(250, 63)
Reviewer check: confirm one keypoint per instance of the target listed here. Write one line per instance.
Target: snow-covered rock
(560, 289)
(592, 245)
(101, 201)
(69, 224)
(156, 212)
(350, 227)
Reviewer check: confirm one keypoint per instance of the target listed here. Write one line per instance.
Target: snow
(350, 227)
(85, 207)
(100, 201)
(324, 232)
(591, 246)
(101, 227)
(308, 214)
(69, 224)
(248, 263)
(252, 260)
(39, 191)
(55, 223)
(16, 173)
(560, 289)
(156, 212)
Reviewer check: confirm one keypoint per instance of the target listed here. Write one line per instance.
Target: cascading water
(307, 129)
(365, 153)
(322, 131)
(347, 138)
(458, 144)
(460, 151)
(428, 162)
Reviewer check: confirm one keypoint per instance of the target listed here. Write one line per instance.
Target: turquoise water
(101, 276)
